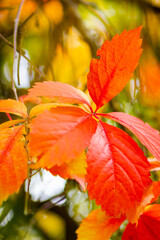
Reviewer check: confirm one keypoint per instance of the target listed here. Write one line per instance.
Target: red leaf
(98, 226)
(58, 92)
(118, 59)
(60, 135)
(144, 132)
(148, 226)
(13, 106)
(117, 173)
(13, 160)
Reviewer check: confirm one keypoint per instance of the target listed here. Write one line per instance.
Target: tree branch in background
(15, 45)
(41, 74)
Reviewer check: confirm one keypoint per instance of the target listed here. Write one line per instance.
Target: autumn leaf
(118, 59)
(148, 225)
(98, 226)
(14, 107)
(58, 92)
(117, 172)
(14, 162)
(149, 80)
(40, 108)
(150, 195)
(11, 123)
(144, 132)
(60, 135)
(76, 169)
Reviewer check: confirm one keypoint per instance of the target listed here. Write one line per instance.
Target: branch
(15, 46)
(41, 74)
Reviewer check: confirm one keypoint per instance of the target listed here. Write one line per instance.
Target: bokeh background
(56, 41)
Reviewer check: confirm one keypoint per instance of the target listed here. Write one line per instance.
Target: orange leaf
(11, 123)
(118, 59)
(76, 169)
(13, 158)
(98, 226)
(58, 92)
(148, 225)
(149, 79)
(13, 106)
(60, 135)
(117, 172)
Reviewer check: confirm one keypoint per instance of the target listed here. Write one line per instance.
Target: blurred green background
(59, 39)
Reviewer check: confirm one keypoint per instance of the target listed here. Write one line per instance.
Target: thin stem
(15, 46)
(9, 116)
(19, 60)
(26, 206)
(22, 53)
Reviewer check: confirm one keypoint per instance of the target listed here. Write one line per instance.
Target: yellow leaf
(52, 224)
(10, 123)
(40, 108)
(54, 11)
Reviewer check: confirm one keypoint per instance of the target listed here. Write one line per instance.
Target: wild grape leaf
(60, 135)
(148, 225)
(148, 136)
(149, 71)
(13, 159)
(118, 59)
(149, 196)
(98, 226)
(117, 172)
(58, 92)
(11, 123)
(40, 108)
(76, 169)
(13, 106)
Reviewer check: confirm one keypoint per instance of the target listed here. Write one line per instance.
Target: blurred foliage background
(55, 42)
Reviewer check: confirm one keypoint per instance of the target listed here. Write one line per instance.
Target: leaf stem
(26, 205)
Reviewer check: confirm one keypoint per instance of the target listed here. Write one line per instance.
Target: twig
(26, 207)
(18, 67)
(15, 46)
(22, 53)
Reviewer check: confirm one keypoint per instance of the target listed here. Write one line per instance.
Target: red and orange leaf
(76, 169)
(118, 59)
(149, 196)
(156, 191)
(143, 131)
(14, 107)
(58, 92)
(117, 172)
(98, 226)
(13, 159)
(60, 135)
(148, 225)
